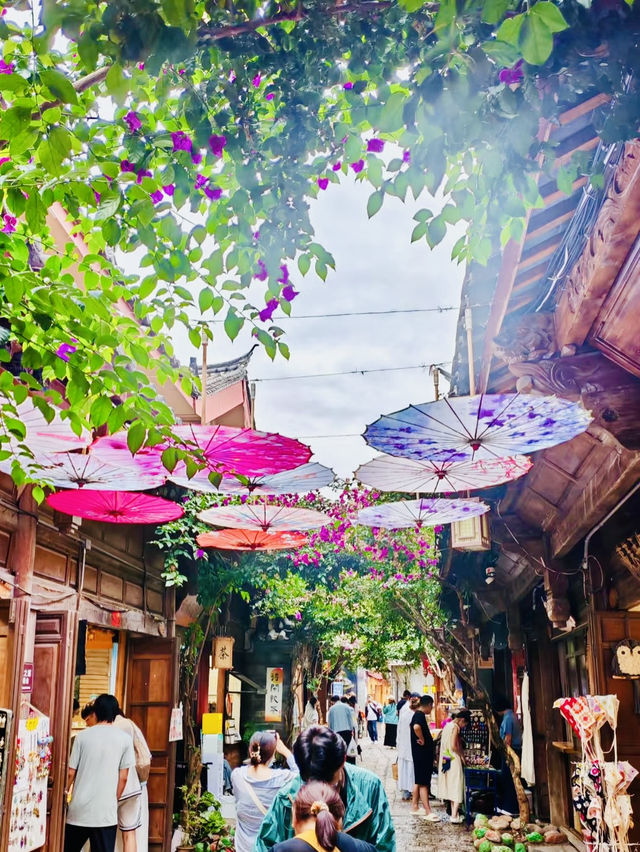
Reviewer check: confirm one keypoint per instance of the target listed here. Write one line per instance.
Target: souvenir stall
(599, 780)
(28, 816)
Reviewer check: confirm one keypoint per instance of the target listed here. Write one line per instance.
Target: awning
(375, 675)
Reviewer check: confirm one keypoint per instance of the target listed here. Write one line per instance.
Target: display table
(479, 779)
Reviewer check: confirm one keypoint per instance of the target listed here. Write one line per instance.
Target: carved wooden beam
(605, 389)
(612, 237)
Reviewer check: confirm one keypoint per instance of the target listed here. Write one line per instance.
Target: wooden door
(151, 695)
(53, 661)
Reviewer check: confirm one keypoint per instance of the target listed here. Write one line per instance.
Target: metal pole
(468, 321)
(203, 380)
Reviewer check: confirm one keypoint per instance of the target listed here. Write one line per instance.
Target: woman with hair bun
(318, 811)
(451, 765)
(255, 785)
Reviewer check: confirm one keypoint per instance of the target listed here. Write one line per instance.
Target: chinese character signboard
(27, 677)
(273, 698)
(223, 652)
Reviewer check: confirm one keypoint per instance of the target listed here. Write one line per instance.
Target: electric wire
(348, 372)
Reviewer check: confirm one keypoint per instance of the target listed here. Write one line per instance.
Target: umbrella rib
(447, 429)
(467, 433)
(499, 415)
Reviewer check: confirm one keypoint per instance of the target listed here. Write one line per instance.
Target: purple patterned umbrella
(487, 426)
(307, 477)
(420, 513)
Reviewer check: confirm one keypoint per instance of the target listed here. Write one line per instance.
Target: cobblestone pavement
(412, 831)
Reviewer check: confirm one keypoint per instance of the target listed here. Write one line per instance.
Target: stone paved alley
(412, 831)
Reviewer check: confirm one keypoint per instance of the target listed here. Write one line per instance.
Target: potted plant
(203, 826)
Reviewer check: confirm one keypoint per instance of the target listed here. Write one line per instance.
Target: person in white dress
(451, 763)
(406, 777)
(310, 716)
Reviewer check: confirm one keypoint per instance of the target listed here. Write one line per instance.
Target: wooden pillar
(20, 560)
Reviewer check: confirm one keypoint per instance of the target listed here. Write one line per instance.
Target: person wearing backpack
(133, 806)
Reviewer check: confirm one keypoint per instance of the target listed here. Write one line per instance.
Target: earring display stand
(28, 816)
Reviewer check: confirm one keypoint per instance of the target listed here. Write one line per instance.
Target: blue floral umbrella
(427, 512)
(487, 426)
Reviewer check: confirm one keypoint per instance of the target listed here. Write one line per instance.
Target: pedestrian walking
(342, 722)
(390, 717)
(422, 751)
(101, 758)
(133, 807)
(320, 755)
(318, 813)
(372, 714)
(310, 716)
(406, 777)
(451, 764)
(255, 785)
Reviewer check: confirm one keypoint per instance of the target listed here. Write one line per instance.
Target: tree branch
(209, 34)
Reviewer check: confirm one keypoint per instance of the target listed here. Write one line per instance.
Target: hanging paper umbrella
(43, 437)
(262, 516)
(478, 427)
(307, 477)
(420, 513)
(77, 470)
(251, 540)
(225, 448)
(115, 507)
(392, 473)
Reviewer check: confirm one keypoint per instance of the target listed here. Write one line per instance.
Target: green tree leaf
(375, 202)
(59, 86)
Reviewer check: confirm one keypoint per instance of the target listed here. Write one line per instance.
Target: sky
(377, 269)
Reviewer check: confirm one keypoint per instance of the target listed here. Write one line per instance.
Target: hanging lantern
(223, 652)
(471, 533)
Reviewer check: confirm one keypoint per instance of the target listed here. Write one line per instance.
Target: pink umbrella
(392, 473)
(420, 513)
(251, 540)
(115, 507)
(262, 516)
(307, 477)
(225, 448)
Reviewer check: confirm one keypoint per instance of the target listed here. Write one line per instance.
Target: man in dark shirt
(422, 753)
(406, 695)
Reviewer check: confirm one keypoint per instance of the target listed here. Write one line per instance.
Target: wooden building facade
(556, 314)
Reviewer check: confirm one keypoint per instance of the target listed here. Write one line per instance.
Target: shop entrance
(100, 664)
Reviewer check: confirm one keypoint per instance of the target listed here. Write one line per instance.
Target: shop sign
(175, 724)
(223, 652)
(27, 677)
(273, 698)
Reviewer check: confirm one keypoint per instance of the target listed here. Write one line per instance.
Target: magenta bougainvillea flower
(509, 76)
(348, 86)
(132, 121)
(140, 66)
(357, 167)
(217, 143)
(288, 293)
(200, 554)
(256, 235)
(196, 158)
(181, 141)
(298, 616)
(10, 223)
(169, 189)
(269, 96)
(375, 146)
(267, 312)
(337, 166)
(143, 173)
(262, 273)
(323, 183)
(257, 80)
(127, 166)
(406, 156)
(4, 160)
(284, 277)
(96, 195)
(66, 349)
(200, 181)
(6, 67)
(213, 192)
(156, 196)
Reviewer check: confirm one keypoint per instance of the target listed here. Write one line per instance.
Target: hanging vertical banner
(175, 724)
(28, 818)
(273, 698)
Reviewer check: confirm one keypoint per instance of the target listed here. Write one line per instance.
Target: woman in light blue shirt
(390, 716)
(255, 785)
